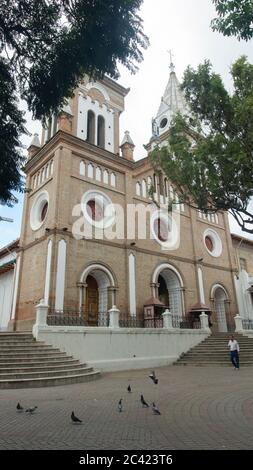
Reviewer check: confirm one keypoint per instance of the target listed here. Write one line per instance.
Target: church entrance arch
(220, 301)
(168, 285)
(96, 295)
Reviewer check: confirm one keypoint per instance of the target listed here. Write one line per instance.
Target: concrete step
(49, 382)
(48, 367)
(47, 363)
(48, 373)
(31, 354)
(27, 348)
(34, 359)
(206, 364)
(20, 344)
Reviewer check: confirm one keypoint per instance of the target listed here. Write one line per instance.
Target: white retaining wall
(122, 348)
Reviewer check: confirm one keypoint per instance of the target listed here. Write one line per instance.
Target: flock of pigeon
(76, 420)
(155, 410)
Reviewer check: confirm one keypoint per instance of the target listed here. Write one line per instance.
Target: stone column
(114, 317)
(82, 297)
(111, 296)
(238, 324)
(154, 289)
(167, 320)
(204, 321)
(41, 317)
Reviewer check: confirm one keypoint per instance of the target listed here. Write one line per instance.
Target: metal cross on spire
(172, 66)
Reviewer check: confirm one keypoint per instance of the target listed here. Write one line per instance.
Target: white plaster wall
(132, 284)
(201, 286)
(6, 289)
(122, 349)
(243, 296)
(86, 104)
(7, 258)
(60, 275)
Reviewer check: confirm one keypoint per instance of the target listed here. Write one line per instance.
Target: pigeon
(143, 402)
(120, 405)
(74, 418)
(155, 409)
(19, 408)
(31, 409)
(129, 389)
(152, 376)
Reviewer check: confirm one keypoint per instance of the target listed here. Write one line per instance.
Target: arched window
(47, 171)
(138, 188)
(106, 177)
(149, 187)
(82, 168)
(98, 173)
(91, 127)
(42, 175)
(113, 179)
(101, 132)
(144, 188)
(90, 170)
(51, 167)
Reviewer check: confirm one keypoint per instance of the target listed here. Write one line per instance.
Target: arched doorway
(92, 297)
(96, 294)
(220, 301)
(168, 285)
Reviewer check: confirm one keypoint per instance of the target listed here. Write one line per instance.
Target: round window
(163, 123)
(39, 210)
(44, 211)
(212, 243)
(164, 229)
(161, 229)
(209, 243)
(98, 209)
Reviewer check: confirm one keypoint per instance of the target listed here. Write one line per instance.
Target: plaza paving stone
(201, 408)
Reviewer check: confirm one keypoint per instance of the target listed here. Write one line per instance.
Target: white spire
(66, 109)
(172, 101)
(35, 140)
(127, 139)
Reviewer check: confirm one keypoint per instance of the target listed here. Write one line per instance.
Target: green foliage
(49, 46)
(11, 127)
(209, 154)
(235, 18)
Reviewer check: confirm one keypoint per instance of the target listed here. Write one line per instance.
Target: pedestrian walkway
(201, 408)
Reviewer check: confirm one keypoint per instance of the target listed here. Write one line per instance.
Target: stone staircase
(26, 363)
(213, 351)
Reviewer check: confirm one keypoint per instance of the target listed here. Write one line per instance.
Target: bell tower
(78, 154)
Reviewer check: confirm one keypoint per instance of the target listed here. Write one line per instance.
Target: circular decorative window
(212, 243)
(164, 229)
(39, 210)
(163, 123)
(98, 209)
(161, 229)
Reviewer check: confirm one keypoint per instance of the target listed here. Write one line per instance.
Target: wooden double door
(92, 301)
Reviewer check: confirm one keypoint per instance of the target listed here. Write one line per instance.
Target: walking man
(234, 352)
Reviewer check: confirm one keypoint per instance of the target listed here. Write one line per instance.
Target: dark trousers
(235, 358)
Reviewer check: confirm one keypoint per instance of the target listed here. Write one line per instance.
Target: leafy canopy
(46, 47)
(209, 156)
(235, 18)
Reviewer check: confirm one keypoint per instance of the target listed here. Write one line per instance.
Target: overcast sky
(182, 26)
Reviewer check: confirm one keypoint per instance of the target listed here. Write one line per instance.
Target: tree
(209, 156)
(235, 18)
(48, 46)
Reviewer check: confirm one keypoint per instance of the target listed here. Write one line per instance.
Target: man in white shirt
(234, 352)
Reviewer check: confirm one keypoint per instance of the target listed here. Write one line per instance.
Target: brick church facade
(80, 162)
